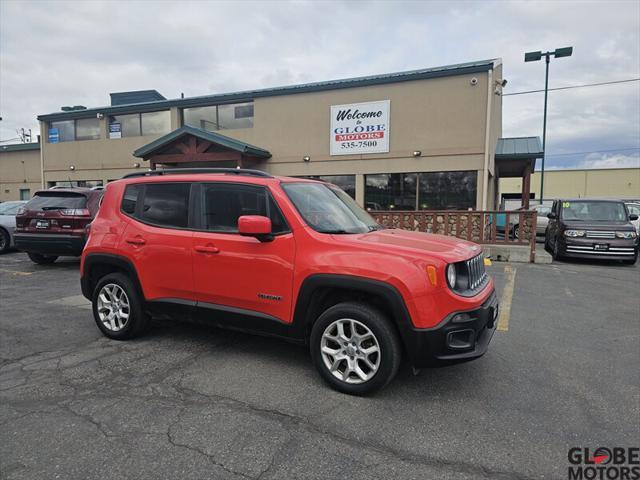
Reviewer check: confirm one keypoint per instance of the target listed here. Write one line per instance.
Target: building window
(421, 191)
(390, 191)
(219, 117)
(137, 124)
(447, 190)
(345, 182)
(87, 129)
(25, 194)
(75, 183)
(63, 131)
(155, 123)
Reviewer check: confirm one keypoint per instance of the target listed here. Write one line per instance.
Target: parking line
(15, 272)
(507, 297)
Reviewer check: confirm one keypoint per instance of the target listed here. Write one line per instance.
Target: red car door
(157, 239)
(231, 270)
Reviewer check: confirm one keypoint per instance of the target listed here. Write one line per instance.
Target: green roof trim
(249, 95)
(19, 147)
(230, 143)
(518, 148)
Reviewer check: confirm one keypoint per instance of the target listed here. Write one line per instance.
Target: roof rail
(186, 171)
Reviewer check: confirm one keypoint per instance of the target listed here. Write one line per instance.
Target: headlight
(451, 275)
(574, 233)
(626, 235)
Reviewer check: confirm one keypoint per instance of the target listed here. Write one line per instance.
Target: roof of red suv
(229, 176)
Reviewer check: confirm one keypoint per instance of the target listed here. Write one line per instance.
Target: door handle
(207, 249)
(135, 240)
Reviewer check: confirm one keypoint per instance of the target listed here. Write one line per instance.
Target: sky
(77, 52)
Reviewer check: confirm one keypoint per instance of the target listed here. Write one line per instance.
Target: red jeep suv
(54, 222)
(287, 257)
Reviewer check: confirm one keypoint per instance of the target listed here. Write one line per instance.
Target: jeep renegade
(288, 257)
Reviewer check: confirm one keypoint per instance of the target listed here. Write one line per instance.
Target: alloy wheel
(113, 307)
(350, 351)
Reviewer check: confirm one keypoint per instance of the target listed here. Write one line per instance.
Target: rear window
(44, 201)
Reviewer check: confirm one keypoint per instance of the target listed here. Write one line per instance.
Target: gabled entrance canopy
(189, 146)
(516, 157)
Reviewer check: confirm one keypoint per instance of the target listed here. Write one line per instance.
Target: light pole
(534, 57)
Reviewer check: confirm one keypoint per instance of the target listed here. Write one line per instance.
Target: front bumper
(461, 337)
(606, 249)
(50, 244)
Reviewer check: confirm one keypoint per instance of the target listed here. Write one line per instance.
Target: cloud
(596, 160)
(58, 53)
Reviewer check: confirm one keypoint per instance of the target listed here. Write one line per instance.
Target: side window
(130, 199)
(166, 204)
(224, 203)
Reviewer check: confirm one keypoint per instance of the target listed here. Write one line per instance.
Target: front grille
(476, 271)
(600, 234)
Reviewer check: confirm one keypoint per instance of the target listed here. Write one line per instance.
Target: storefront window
(87, 129)
(447, 190)
(390, 191)
(204, 118)
(63, 131)
(156, 123)
(220, 117)
(345, 182)
(128, 126)
(239, 115)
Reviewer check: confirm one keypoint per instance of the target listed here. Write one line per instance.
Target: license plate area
(601, 246)
(42, 224)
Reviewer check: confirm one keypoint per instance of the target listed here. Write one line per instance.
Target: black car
(591, 229)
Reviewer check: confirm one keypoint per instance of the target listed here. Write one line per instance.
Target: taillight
(87, 229)
(21, 211)
(76, 212)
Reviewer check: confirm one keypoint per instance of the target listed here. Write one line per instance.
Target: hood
(449, 249)
(593, 225)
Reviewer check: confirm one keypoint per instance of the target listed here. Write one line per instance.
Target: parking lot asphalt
(193, 402)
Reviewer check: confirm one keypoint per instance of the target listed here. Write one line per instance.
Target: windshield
(10, 208)
(327, 209)
(56, 201)
(594, 211)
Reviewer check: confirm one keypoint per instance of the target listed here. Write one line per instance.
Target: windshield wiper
(375, 228)
(337, 231)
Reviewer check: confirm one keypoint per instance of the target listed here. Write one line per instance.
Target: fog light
(460, 339)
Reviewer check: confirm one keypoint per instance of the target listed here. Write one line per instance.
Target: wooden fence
(515, 227)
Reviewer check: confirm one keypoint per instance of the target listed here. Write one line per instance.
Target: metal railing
(513, 227)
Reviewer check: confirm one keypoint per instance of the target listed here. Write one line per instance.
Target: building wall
(597, 183)
(444, 118)
(19, 170)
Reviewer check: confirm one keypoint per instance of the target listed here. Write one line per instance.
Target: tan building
(20, 171)
(422, 139)
(623, 183)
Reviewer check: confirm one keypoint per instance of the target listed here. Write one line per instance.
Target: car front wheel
(5, 240)
(117, 307)
(355, 348)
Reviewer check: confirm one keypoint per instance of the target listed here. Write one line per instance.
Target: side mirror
(633, 216)
(551, 216)
(255, 226)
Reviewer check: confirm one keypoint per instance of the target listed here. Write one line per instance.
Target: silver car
(8, 212)
(634, 209)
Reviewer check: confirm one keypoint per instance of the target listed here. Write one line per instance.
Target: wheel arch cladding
(322, 291)
(97, 265)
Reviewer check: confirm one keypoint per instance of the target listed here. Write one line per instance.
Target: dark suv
(54, 223)
(592, 229)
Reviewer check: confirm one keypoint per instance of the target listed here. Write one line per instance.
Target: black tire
(5, 241)
(547, 247)
(516, 232)
(41, 259)
(390, 351)
(556, 251)
(138, 318)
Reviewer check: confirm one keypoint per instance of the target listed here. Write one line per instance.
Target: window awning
(206, 146)
(514, 155)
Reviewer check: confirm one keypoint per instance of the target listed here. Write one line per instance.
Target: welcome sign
(359, 128)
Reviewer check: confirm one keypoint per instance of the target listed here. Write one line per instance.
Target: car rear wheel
(42, 259)
(355, 348)
(5, 240)
(556, 251)
(117, 307)
(516, 232)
